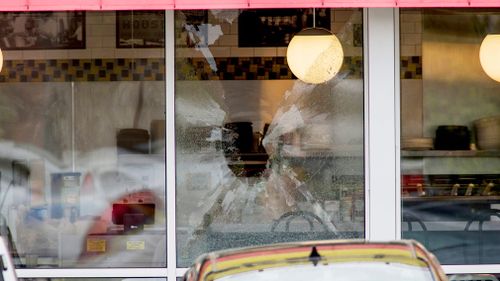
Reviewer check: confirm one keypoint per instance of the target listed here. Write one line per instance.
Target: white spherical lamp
(315, 55)
(489, 56)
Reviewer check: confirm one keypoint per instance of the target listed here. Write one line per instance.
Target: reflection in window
(82, 152)
(450, 117)
(262, 157)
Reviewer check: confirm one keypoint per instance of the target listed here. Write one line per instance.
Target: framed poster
(192, 19)
(42, 30)
(140, 29)
(357, 35)
(275, 28)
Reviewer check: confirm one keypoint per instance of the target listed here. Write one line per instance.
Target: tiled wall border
(153, 69)
(411, 67)
(253, 68)
(83, 70)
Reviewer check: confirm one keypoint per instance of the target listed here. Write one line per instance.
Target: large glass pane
(262, 157)
(82, 140)
(450, 109)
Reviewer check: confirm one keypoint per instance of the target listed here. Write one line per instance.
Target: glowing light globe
(489, 56)
(315, 55)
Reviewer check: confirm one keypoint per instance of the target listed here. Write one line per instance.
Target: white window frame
(381, 124)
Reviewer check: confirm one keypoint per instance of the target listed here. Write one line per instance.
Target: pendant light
(1, 59)
(315, 55)
(489, 56)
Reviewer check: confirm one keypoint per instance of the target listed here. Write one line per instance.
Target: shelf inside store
(450, 153)
(285, 151)
(336, 151)
(247, 159)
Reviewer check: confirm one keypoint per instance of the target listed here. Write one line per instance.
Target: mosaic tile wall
(240, 68)
(253, 68)
(83, 70)
(411, 67)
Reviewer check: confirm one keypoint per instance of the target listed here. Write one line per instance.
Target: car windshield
(350, 271)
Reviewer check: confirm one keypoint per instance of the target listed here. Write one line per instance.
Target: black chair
(409, 218)
(481, 216)
(290, 216)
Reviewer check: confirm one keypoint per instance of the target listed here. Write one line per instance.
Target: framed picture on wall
(140, 29)
(42, 30)
(275, 28)
(357, 35)
(192, 20)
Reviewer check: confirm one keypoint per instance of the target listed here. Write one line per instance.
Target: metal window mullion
(170, 143)
(397, 116)
(380, 125)
(365, 122)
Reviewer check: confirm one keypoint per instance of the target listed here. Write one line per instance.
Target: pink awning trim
(431, 3)
(61, 5)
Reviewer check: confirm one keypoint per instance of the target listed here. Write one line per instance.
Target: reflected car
(339, 260)
(90, 208)
(7, 270)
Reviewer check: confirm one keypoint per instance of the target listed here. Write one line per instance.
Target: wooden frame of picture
(42, 30)
(140, 29)
(276, 27)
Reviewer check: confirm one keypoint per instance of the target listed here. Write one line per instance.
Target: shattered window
(261, 156)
